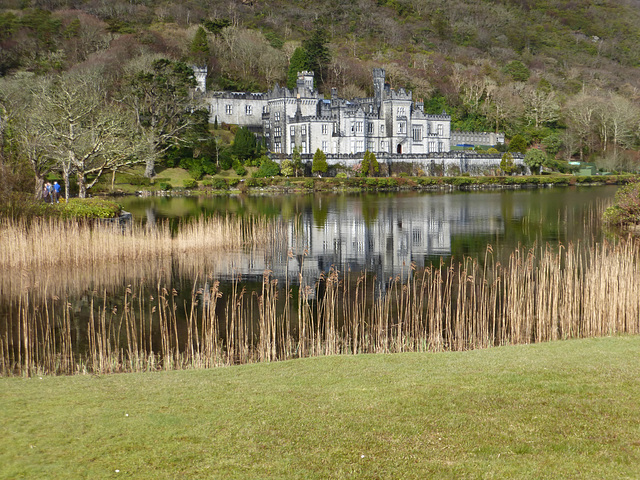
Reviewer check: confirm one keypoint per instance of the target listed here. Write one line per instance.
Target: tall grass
(44, 243)
(538, 295)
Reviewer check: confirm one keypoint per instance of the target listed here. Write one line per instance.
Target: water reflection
(384, 234)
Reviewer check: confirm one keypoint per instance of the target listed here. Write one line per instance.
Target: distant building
(390, 122)
(476, 139)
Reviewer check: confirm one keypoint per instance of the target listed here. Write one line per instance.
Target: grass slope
(558, 410)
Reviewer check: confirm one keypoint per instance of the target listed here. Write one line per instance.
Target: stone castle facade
(390, 122)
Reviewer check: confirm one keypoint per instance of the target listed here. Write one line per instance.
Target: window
(369, 127)
(417, 134)
(292, 130)
(402, 127)
(440, 146)
(304, 129)
(265, 109)
(248, 109)
(267, 125)
(228, 109)
(276, 116)
(360, 146)
(383, 146)
(382, 129)
(277, 131)
(325, 129)
(432, 147)
(325, 145)
(304, 147)
(401, 111)
(440, 129)
(370, 146)
(278, 148)
(359, 126)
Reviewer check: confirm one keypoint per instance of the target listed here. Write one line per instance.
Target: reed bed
(54, 242)
(539, 294)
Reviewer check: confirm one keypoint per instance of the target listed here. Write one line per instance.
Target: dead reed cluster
(538, 295)
(42, 243)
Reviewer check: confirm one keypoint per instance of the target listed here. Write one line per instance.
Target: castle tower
(305, 80)
(378, 84)
(201, 78)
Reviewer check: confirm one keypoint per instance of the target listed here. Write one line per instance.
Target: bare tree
(84, 132)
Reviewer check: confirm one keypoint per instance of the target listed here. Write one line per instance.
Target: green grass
(557, 410)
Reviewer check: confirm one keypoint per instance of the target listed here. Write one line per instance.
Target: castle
(390, 122)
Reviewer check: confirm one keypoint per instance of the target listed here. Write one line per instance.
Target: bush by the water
(626, 209)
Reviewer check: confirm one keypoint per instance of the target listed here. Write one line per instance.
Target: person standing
(56, 191)
(45, 193)
(49, 188)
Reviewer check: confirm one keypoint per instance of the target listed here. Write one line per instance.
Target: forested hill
(564, 74)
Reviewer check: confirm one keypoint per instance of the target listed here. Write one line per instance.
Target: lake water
(382, 235)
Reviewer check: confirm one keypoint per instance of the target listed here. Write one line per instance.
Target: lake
(259, 303)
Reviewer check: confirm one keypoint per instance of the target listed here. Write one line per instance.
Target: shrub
(190, 184)
(626, 209)
(220, 184)
(239, 168)
(268, 168)
(86, 208)
(165, 186)
(341, 175)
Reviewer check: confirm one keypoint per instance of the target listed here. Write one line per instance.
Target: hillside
(564, 74)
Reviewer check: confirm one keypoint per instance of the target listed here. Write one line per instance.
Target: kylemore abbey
(390, 124)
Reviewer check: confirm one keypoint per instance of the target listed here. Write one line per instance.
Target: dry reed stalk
(541, 294)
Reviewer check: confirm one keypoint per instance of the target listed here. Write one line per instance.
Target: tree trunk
(39, 187)
(82, 186)
(65, 175)
(150, 169)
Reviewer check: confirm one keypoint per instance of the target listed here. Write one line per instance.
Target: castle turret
(305, 80)
(378, 84)
(201, 78)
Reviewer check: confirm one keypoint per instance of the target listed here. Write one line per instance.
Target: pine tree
(317, 54)
(319, 162)
(298, 63)
(199, 49)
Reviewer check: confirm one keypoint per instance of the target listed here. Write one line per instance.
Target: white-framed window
(440, 128)
(382, 129)
(325, 145)
(265, 109)
(228, 109)
(432, 147)
(248, 109)
(370, 127)
(440, 146)
(276, 116)
(292, 130)
(360, 146)
(277, 131)
(370, 146)
(401, 112)
(417, 134)
(359, 127)
(402, 127)
(383, 145)
(277, 147)
(267, 125)
(325, 129)
(304, 129)
(304, 147)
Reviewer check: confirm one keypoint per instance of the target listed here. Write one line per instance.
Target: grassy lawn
(559, 410)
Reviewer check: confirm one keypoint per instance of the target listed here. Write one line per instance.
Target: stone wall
(449, 163)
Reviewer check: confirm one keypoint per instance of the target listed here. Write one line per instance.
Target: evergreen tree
(534, 159)
(296, 160)
(199, 49)
(506, 164)
(245, 145)
(374, 166)
(298, 63)
(518, 144)
(319, 162)
(317, 54)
